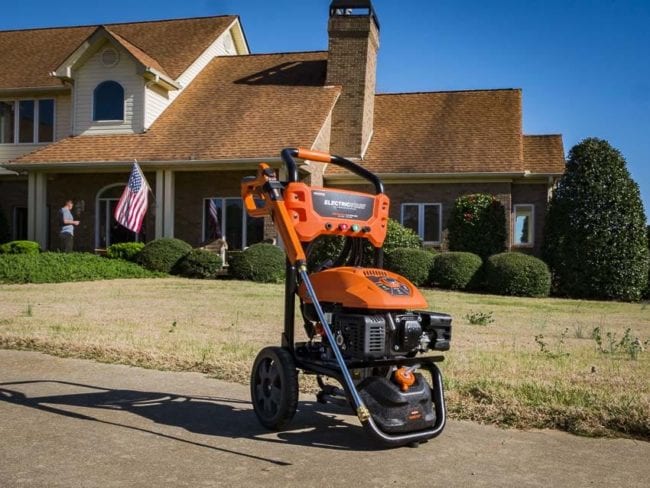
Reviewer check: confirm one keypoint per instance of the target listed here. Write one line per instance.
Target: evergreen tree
(596, 243)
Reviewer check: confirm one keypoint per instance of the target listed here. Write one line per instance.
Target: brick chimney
(352, 63)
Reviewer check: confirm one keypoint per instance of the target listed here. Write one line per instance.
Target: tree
(478, 225)
(596, 244)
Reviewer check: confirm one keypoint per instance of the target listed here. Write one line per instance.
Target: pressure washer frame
(296, 268)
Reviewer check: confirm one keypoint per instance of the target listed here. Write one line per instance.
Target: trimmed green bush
(398, 236)
(595, 232)
(457, 271)
(54, 267)
(163, 254)
(264, 263)
(20, 247)
(129, 251)
(514, 273)
(198, 263)
(478, 225)
(329, 247)
(412, 264)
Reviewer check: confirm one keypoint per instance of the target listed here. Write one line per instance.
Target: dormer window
(108, 101)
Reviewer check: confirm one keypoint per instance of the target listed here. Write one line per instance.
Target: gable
(29, 56)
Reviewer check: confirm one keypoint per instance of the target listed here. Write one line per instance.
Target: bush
(412, 264)
(163, 254)
(513, 273)
(596, 243)
(264, 263)
(329, 247)
(54, 267)
(457, 271)
(129, 251)
(199, 263)
(478, 225)
(20, 247)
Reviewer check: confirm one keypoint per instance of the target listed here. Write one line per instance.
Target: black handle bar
(292, 169)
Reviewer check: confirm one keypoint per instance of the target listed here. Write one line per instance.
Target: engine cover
(368, 288)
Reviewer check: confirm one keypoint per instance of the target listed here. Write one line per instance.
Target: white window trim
(16, 102)
(531, 226)
(421, 207)
(98, 200)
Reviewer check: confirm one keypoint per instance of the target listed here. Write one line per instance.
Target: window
(226, 218)
(524, 225)
(7, 122)
(108, 101)
(19, 224)
(425, 219)
(27, 121)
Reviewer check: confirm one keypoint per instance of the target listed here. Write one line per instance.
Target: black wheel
(274, 387)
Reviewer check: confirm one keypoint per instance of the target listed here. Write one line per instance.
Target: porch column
(37, 208)
(164, 203)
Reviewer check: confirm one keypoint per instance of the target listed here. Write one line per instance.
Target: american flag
(133, 203)
(214, 216)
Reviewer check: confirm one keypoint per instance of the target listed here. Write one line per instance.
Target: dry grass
(494, 373)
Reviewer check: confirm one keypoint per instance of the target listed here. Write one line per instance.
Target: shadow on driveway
(315, 425)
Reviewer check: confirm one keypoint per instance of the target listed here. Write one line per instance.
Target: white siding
(12, 151)
(157, 102)
(63, 117)
(91, 74)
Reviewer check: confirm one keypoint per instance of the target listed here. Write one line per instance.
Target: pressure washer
(366, 326)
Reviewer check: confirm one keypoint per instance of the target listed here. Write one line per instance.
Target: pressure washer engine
(367, 327)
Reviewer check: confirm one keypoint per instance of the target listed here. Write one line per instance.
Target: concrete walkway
(74, 423)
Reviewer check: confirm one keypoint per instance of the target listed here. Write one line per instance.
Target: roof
(544, 154)
(28, 56)
(472, 131)
(238, 107)
(445, 132)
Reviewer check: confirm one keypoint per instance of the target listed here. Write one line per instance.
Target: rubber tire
(274, 387)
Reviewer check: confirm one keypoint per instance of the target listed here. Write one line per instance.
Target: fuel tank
(370, 288)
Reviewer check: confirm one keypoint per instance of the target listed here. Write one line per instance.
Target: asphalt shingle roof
(28, 56)
(238, 107)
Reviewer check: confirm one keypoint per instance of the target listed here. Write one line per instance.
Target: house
(198, 111)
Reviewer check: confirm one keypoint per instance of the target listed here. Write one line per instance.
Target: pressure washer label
(341, 205)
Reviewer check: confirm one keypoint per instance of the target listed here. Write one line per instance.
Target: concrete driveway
(68, 422)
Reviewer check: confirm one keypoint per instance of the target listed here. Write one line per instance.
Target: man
(67, 226)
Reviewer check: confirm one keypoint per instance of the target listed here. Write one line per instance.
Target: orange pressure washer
(365, 326)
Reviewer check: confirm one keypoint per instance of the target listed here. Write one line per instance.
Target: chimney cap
(359, 8)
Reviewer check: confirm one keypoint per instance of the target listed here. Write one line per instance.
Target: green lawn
(534, 363)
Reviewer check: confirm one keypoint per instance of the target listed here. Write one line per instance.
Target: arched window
(108, 101)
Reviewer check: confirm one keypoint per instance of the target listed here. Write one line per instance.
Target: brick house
(198, 111)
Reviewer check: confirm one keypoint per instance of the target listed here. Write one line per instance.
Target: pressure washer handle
(288, 155)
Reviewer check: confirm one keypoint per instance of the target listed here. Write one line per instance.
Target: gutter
(34, 89)
(424, 177)
(187, 164)
(157, 77)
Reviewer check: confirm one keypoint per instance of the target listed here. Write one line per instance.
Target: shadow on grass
(315, 425)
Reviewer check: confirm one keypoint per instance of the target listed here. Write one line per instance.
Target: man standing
(67, 226)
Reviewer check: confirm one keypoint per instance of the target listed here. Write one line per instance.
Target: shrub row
(174, 256)
(508, 273)
(53, 267)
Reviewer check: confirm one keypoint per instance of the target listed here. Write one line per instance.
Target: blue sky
(583, 65)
